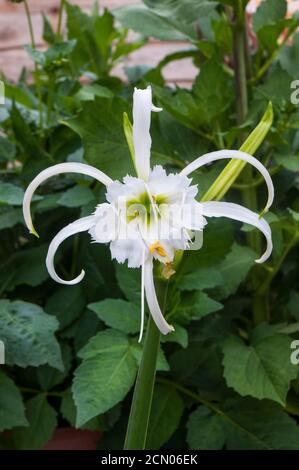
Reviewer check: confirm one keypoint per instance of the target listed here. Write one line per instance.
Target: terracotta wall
(14, 33)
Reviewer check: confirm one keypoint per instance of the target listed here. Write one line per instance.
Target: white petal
(142, 108)
(157, 172)
(229, 154)
(173, 186)
(182, 216)
(142, 298)
(128, 246)
(80, 225)
(237, 212)
(152, 300)
(56, 170)
(106, 226)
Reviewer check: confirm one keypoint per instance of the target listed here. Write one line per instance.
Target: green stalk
(28, 16)
(33, 45)
(143, 392)
(59, 23)
(241, 64)
(249, 194)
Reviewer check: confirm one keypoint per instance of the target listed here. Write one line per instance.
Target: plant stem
(28, 16)
(242, 65)
(59, 23)
(143, 392)
(265, 285)
(261, 296)
(240, 59)
(35, 391)
(33, 45)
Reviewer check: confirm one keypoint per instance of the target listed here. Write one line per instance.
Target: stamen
(154, 205)
(158, 248)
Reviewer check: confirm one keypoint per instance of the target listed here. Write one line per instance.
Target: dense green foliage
(225, 379)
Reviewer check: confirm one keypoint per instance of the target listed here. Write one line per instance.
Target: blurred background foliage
(224, 378)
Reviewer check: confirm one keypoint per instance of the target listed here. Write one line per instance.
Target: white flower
(149, 216)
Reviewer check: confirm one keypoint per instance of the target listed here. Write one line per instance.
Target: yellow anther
(168, 270)
(158, 248)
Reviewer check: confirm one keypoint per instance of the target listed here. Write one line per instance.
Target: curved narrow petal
(142, 108)
(152, 300)
(56, 170)
(142, 299)
(229, 154)
(237, 212)
(80, 225)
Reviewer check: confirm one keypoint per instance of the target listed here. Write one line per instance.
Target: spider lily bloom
(149, 216)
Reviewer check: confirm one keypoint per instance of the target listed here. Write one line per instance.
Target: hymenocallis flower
(149, 216)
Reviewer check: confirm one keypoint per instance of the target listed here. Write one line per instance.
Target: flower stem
(33, 45)
(28, 16)
(143, 392)
(241, 60)
(59, 23)
(242, 64)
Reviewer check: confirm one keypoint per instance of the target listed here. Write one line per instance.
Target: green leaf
(260, 425)
(48, 33)
(194, 306)
(179, 335)
(25, 137)
(67, 304)
(7, 150)
(289, 55)
(269, 12)
(201, 278)
(269, 34)
(184, 10)
(232, 170)
(103, 138)
(212, 90)
(128, 130)
(54, 57)
(88, 92)
(218, 240)
(276, 88)
(76, 196)
(205, 430)
(148, 23)
(28, 335)
(9, 217)
(109, 368)
(42, 423)
(243, 424)
(11, 194)
(94, 35)
(293, 304)
(12, 410)
(17, 267)
(290, 162)
(211, 95)
(162, 363)
(204, 370)
(68, 411)
(262, 370)
(129, 281)
(166, 413)
(234, 268)
(48, 377)
(118, 314)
